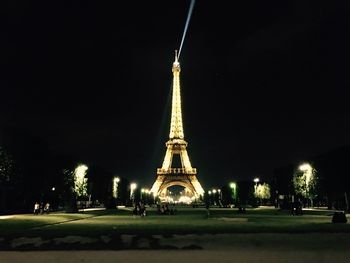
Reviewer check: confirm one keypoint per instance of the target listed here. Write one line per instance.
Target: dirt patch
(232, 219)
(74, 239)
(27, 241)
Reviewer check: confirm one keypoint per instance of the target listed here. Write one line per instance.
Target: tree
(68, 192)
(263, 191)
(31, 175)
(80, 182)
(100, 183)
(245, 193)
(305, 182)
(7, 179)
(7, 167)
(63, 167)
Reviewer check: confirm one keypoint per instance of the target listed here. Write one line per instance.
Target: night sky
(264, 83)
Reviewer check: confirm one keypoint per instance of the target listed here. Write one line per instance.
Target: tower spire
(176, 57)
(176, 126)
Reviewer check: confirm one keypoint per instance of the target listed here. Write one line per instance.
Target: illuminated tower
(168, 175)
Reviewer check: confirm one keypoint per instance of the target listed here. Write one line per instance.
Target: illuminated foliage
(233, 187)
(305, 181)
(116, 181)
(262, 191)
(80, 182)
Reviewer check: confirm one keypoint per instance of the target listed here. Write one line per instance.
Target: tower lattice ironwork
(167, 175)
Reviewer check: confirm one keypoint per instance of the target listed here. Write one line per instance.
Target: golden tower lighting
(167, 175)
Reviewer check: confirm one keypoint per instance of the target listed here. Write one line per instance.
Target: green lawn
(186, 221)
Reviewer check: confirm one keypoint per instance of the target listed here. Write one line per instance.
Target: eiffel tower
(167, 175)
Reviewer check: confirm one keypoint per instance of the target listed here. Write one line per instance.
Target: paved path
(165, 256)
(240, 248)
(238, 241)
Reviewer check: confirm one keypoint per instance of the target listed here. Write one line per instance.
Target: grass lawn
(189, 228)
(186, 221)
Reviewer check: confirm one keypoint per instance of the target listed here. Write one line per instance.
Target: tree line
(30, 172)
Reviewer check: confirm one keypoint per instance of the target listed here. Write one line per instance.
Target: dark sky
(264, 83)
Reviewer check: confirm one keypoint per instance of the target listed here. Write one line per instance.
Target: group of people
(165, 210)
(41, 209)
(297, 208)
(139, 209)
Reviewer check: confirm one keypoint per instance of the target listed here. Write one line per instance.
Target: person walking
(36, 208)
(47, 208)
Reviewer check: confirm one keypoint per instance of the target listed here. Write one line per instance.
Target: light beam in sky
(186, 25)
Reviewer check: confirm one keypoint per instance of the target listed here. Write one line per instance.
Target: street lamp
(209, 193)
(256, 181)
(146, 192)
(133, 186)
(154, 196)
(233, 187)
(214, 195)
(306, 168)
(143, 191)
(219, 197)
(116, 181)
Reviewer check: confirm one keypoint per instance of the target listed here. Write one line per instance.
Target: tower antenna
(186, 25)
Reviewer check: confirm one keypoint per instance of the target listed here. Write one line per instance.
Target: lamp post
(116, 181)
(115, 194)
(214, 195)
(209, 193)
(147, 195)
(220, 197)
(306, 168)
(144, 193)
(133, 187)
(233, 187)
(256, 181)
(154, 196)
